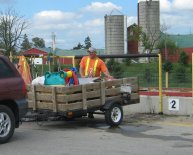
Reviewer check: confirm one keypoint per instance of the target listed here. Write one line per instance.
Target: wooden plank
(45, 105)
(69, 98)
(133, 82)
(113, 91)
(34, 97)
(103, 93)
(30, 104)
(69, 89)
(94, 103)
(117, 98)
(29, 96)
(93, 86)
(84, 97)
(113, 83)
(68, 107)
(59, 98)
(44, 89)
(93, 94)
(41, 105)
(44, 97)
(28, 87)
(54, 99)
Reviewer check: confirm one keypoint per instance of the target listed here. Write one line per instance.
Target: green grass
(149, 77)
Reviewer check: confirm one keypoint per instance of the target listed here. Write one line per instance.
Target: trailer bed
(81, 97)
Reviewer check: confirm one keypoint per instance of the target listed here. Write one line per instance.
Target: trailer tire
(7, 124)
(114, 115)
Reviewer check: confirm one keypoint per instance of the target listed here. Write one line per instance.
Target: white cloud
(72, 27)
(176, 5)
(95, 22)
(54, 16)
(99, 7)
(69, 27)
(177, 14)
(165, 5)
(183, 4)
(131, 20)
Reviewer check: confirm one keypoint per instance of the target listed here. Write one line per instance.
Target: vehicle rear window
(5, 70)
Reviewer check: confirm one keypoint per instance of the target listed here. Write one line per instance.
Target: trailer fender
(109, 103)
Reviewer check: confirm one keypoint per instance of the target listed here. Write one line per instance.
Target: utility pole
(53, 42)
(53, 45)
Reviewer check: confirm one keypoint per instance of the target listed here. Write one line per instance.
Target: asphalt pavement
(150, 135)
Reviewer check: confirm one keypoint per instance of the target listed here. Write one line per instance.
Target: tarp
(24, 70)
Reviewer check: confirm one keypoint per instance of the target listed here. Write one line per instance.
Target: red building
(36, 53)
(132, 44)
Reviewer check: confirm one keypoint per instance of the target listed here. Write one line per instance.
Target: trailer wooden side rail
(82, 97)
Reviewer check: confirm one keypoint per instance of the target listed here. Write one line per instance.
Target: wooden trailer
(78, 101)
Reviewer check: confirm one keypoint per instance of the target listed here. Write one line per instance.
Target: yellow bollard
(160, 85)
(192, 84)
(167, 76)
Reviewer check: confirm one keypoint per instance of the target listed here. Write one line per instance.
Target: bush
(147, 75)
(127, 61)
(180, 74)
(115, 68)
(167, 66)
(183, 59)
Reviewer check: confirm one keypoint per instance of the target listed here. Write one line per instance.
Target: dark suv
(13, 105)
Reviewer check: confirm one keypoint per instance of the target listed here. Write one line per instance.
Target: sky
(73, 20)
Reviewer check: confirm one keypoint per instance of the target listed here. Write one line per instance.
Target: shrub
(147, 75)
(167, 66)
(127, 61)
(183, 59)
(115, 68)
(180, 74)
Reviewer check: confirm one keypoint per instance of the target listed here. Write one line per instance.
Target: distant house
(132, 45)
(34, 52)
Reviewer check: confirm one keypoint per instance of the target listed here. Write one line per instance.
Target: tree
(183, 59)
(25, 45)
(135, 33)
(115, 68)
(79, 46)
(167, 66)
(87, 42)
(168, 44)
(11, 27)
(38, 42)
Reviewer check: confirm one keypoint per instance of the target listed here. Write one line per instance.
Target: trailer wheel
(114, 115)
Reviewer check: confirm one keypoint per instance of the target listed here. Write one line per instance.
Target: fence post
(160, 85)
(167, 79)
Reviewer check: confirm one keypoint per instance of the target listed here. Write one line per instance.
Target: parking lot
(140, 134)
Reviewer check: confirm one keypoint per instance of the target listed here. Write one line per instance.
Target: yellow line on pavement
(183, 124)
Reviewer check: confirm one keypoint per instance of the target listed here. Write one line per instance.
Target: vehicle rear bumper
(22, 107)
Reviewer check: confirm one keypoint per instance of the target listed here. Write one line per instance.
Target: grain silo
(149, 18)
(115, 34)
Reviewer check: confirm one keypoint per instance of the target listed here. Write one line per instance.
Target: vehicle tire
(114, 115)
(7, 124)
